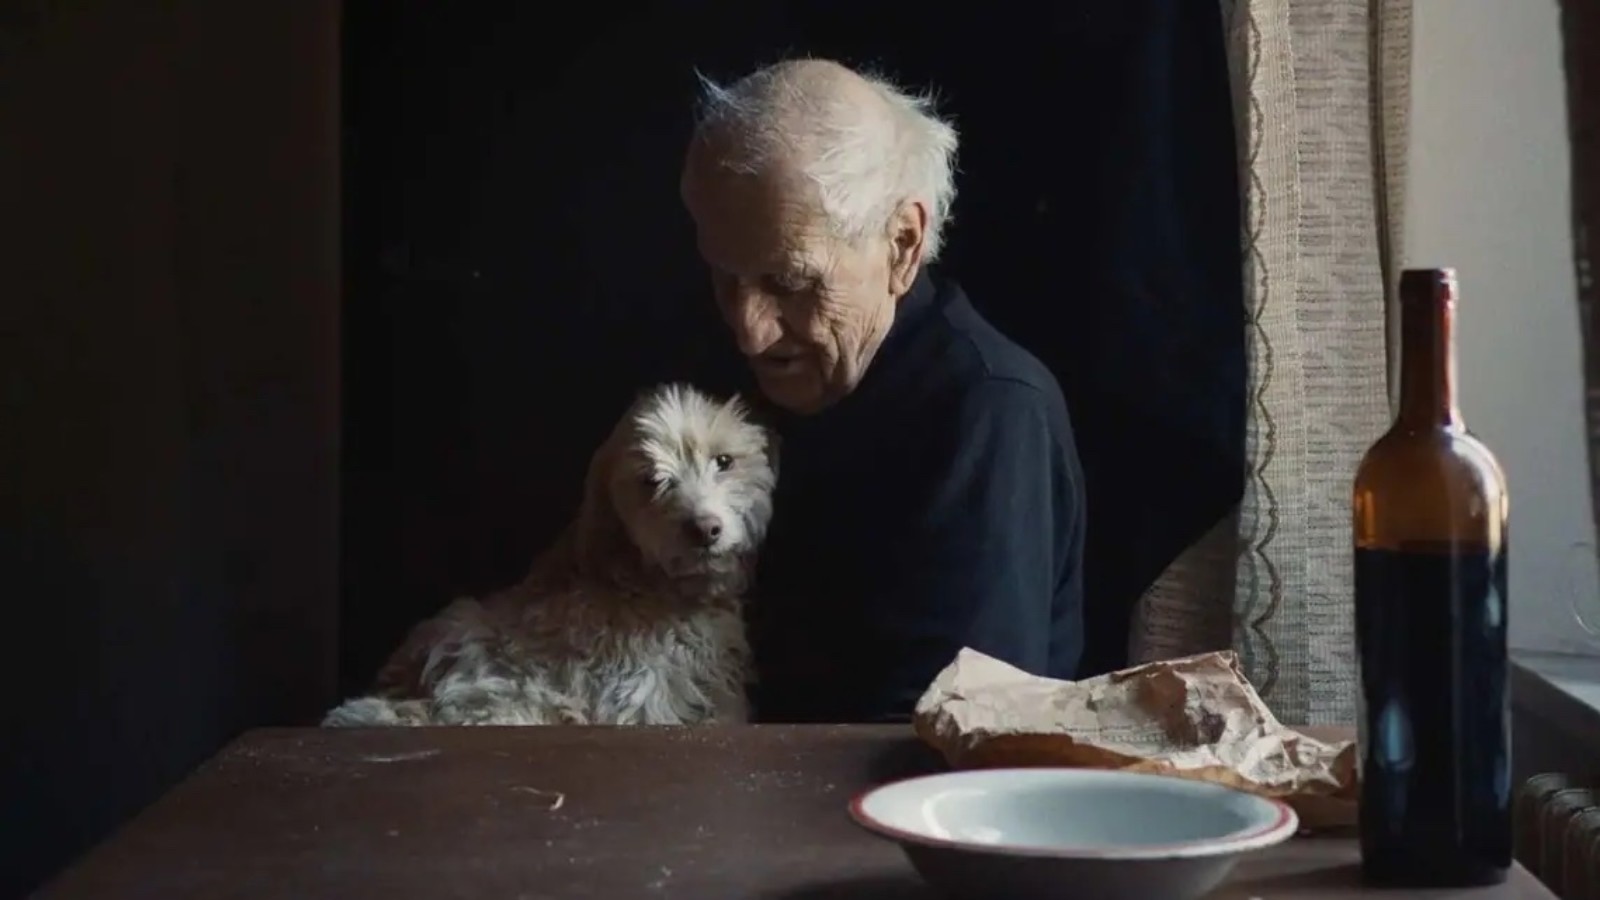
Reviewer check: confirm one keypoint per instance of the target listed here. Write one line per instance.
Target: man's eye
(784, 287)
(722, 461)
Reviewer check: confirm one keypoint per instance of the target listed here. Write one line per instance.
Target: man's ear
(908, 231)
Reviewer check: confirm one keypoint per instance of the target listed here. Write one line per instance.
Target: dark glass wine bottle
(1430, 511)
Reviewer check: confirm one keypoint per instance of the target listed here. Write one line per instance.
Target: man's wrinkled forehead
(746, 221)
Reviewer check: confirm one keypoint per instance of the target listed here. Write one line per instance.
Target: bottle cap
(1428, 285)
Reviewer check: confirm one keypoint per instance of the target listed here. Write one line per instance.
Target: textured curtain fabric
(1580, 27)
(1321, 93)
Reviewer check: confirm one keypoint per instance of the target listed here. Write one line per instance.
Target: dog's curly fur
(634, 615)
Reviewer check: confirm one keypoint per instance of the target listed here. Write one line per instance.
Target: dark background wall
(519, 263)
(169, 314)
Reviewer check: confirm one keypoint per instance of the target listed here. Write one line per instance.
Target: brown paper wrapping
(1195, 717)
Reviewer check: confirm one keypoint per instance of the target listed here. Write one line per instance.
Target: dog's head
(685, 479)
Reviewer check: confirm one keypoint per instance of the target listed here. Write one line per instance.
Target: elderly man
(930, 496)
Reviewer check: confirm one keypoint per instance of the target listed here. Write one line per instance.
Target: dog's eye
(722, 461)
(657, 482)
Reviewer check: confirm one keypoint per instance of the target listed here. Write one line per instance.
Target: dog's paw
(366, 712)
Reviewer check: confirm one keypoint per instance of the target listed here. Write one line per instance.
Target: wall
(1489, 194)
(168, 398)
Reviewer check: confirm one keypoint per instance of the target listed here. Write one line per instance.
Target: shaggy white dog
(633, 617)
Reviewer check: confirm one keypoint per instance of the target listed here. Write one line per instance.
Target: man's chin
(797, 394)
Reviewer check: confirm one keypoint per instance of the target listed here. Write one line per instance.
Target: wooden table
(755, 813)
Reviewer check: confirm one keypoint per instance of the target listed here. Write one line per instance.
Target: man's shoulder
(984, 366)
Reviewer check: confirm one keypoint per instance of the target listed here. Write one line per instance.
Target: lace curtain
(1321, 93)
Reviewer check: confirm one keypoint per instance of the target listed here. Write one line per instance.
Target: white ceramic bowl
(1063, 833)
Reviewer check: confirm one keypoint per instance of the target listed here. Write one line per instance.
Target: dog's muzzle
(703, 532)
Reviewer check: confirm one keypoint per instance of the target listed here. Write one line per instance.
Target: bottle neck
(1428, 352)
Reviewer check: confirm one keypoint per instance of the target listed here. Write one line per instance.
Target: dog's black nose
(704, 531)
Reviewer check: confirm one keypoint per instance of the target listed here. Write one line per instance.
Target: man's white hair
(863, 158)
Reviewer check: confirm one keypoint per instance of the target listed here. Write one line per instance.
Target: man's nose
(753, 318)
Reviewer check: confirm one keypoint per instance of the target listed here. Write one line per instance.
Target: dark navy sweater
(938, 506)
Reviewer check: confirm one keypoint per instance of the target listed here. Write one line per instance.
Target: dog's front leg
(370, 712)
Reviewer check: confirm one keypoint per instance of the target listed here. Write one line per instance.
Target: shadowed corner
(1580, 36)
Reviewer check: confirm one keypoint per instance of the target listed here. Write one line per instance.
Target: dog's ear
(601, 538)
(755, 408)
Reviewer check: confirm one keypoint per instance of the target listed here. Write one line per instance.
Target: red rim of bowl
(1286, 822)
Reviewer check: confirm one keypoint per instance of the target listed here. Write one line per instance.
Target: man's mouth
(778, 364)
